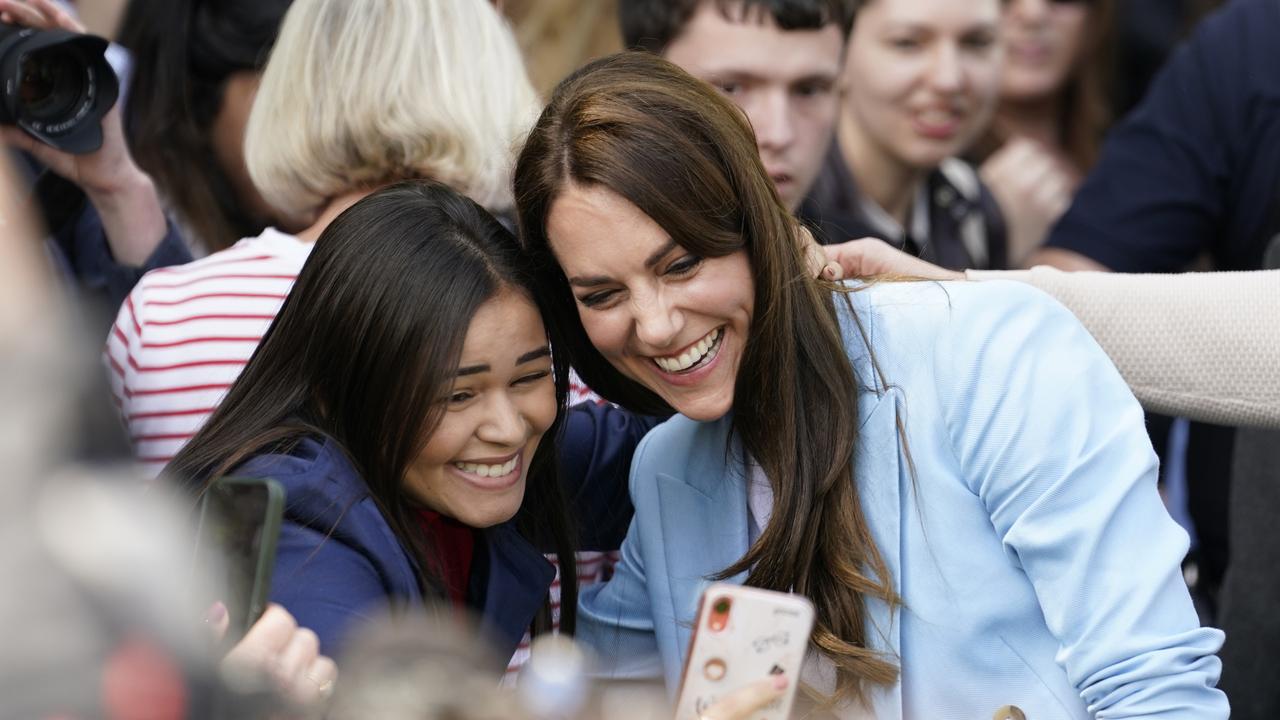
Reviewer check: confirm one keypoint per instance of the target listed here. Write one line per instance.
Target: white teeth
(693, 355)
(489, 470)
(937, 117)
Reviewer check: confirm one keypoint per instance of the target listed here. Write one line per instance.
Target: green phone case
(264, 564)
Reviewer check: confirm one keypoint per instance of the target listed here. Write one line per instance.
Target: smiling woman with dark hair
(405, 398)
(953, 473)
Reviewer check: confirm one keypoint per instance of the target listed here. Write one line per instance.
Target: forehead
(594, 231)
(942, 14)
(504, 327)
(711, 45)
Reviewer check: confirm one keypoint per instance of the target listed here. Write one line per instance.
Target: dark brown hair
(1087, 106)
(184, 52)
(1085, 113)
(363, 349)
(685, 156)
(653, 24)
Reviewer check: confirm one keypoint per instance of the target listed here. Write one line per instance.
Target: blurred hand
(124, 195)
(1033, 189)
(743, 703)
(26, 290)
(277, 648)
(871, 256)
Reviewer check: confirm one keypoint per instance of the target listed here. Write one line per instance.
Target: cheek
(1071, 29)
(985, 78)
(541, 408)
(606, 330)
(816, 125)
(448, 440)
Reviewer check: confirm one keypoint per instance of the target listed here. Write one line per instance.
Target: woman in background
(196, 66)
(1054, 109)
(921, 80)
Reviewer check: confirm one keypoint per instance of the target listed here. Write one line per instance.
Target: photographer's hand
(124, 196)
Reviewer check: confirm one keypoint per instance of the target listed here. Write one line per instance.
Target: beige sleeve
(1200, 345)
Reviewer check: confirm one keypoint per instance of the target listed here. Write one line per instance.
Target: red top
(455, 544)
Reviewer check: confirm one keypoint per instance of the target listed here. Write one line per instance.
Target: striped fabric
(185, 332)
(593, 567)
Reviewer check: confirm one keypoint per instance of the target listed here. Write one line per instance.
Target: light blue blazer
(1035, 560)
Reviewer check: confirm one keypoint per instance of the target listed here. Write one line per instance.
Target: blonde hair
(361, 94)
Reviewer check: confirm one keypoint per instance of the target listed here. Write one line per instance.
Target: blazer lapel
(877, 471)
(704, 523)
(705, 520)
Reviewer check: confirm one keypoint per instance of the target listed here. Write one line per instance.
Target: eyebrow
(544, 351)
(654, 259)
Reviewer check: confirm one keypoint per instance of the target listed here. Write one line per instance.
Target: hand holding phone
(743, 636)
(240, 523)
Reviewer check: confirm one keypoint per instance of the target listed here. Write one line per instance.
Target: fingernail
(217, 611)
(780, 682)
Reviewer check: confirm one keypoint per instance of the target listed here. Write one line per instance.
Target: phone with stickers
(744, 634)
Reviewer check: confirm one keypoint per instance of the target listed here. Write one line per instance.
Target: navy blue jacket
(339, 563)
(1196, 167)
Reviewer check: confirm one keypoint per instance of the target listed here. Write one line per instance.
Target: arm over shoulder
(1052, 441)
(596, 449)
(615, 618)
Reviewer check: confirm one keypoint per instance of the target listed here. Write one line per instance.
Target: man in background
(779, 60)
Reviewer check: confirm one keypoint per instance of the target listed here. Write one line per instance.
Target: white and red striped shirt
(593, 567)
(185, 333)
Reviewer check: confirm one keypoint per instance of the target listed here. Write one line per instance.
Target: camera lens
(56, 85)
(51, 84)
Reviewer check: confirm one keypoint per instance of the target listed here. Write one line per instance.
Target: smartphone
(237, 534)
(743, 635)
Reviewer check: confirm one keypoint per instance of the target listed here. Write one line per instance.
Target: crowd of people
(877, 302)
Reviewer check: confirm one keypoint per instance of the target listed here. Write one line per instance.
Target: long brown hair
(1085, 113)
(364, 347)
(686, 157)
(1086, 106)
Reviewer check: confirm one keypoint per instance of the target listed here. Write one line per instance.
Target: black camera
(57, 86)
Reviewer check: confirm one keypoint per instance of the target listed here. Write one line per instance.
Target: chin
(489, 514)
(703, 409)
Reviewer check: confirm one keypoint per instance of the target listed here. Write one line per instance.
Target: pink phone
(742, 635)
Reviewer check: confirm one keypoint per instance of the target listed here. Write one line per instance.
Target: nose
(946, 72)
(1028, 10)
(771, 118)
(657, 322)
(503, 424)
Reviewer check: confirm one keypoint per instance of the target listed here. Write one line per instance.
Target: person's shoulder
(906, 323)
(1234, 48)
(270, 249)
(314, 471)
(673, 445)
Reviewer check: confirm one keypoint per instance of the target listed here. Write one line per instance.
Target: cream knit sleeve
(1200, 345)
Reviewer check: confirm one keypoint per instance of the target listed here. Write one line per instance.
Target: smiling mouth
(490, 470)
(701, 353)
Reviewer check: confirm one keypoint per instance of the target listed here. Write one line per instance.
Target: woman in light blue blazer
(955, 474)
